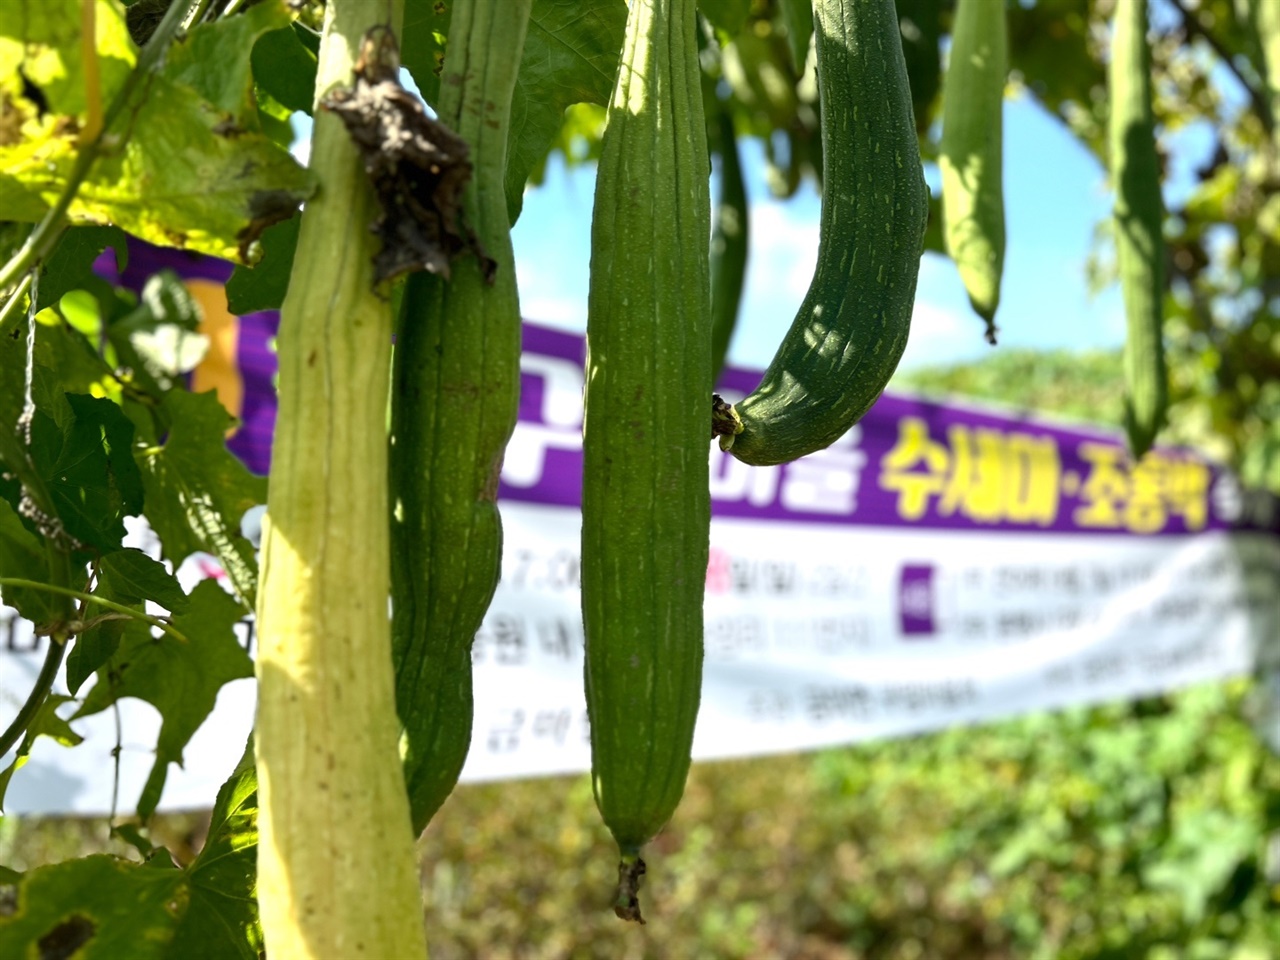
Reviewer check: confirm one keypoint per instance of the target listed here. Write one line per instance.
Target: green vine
(128, 612)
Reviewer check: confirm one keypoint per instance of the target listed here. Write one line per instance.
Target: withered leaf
(418, 167)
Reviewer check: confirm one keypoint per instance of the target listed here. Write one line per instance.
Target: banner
(941, 564)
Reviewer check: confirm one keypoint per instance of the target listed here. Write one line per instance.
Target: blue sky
(1055, 193)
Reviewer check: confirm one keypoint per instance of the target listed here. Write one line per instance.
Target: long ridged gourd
(456, 393)
(970, 157)
(851, 329)
(337, 872)
(1138, 217)
(645, 504)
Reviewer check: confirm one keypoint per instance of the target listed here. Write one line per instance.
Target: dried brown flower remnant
(418, 167)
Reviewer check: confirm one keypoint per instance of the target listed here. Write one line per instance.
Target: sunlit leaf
(96, 908)
(42, 38)
(195, 170)
(222, 920)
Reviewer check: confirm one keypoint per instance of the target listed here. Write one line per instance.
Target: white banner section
(815, 635)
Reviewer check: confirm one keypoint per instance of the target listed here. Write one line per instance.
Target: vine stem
(59, 569)
(35, 699)
(47, 232)
(14, 303)
(129, 612)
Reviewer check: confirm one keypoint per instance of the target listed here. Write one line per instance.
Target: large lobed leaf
(195, 170)
(570, 56)
(22, 556)
(197, 491)
(104, 907)
(95, 908)
(129, 577)
(87, 465)
(180, 679)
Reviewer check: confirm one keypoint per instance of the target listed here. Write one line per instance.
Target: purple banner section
(250, 338)
(908, 463)
(916, 600)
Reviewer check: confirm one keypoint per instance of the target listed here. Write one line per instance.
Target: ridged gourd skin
(456, 392)
(729, 243)
(1138, 217)
(646, 509)
(970, 158)
(851, 329)
(337, 871)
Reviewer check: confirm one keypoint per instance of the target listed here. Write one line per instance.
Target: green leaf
(130, 577)
(189, 178)
(195, 172)
(42, 39)
(918, 22)
(197, 491)
(286, 68)
(215, 58)
(65, 362)
(135, 577)
(208, 911)
(87, 467)
(95, 908)
(570, 56)
(45, 723)
(222, 920)
(797, 22)
(426, 25)
(72, 260)
(181, 680)
(727, 16)
(133, 835)
(263, 287)
(22, 555)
